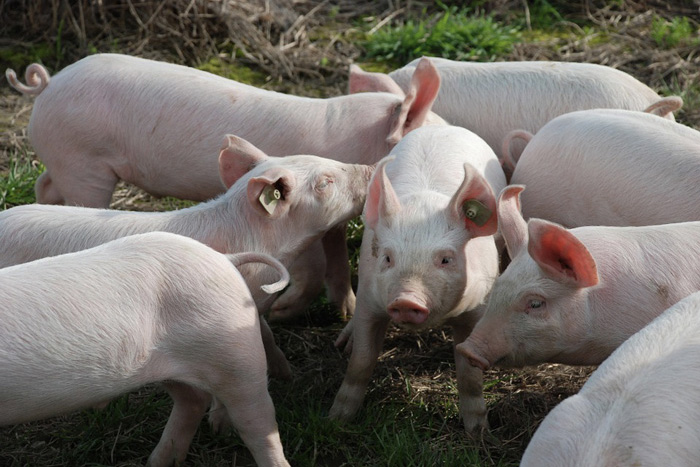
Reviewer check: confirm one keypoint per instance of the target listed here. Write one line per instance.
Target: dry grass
(303, 45)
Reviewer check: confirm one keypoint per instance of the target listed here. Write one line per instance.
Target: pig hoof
(475, 420)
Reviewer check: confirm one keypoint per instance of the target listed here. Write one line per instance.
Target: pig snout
(407, 309)
(472, 353)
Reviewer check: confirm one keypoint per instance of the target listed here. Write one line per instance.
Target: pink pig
(611, 167)
(156, 125)
(494, 98)
(573, 296)
(83, 328)
(640, 407)
(428, 255)
(312, 195)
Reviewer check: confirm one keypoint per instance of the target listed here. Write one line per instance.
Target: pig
(611, 167)
(640, 407)
(313, 194)
(153, 124)
(428, 255)
(494, 98)
(573, 296)
(82, 328)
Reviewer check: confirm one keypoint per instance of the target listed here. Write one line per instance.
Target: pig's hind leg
(90, 186)
(189, 406)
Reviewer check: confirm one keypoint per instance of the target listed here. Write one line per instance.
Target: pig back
(611, 167)
(492, 99)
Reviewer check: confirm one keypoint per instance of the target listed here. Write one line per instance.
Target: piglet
(640, 407)
(277, 206)
(574, 296)
(153, 124)
(82, 328)
(494, 98)
(428, 256)
(611, 167)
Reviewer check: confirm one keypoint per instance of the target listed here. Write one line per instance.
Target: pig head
(418, 256)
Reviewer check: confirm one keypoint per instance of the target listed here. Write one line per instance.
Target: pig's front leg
(189, 407)
(368, 334)
(470, 379)
(277, 364)
(338, 270)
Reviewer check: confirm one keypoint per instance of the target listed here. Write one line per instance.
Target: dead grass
(304, 45)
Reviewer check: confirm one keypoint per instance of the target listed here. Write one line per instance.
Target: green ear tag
(476, 212)
(269, 198)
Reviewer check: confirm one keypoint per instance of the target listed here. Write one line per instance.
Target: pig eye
(446, 260)
(535, 304)
(323, 184)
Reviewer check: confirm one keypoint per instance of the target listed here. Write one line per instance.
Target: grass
(674, 33)
(454, 33)
(17, 185)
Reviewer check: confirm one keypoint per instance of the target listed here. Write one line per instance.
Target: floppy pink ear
(269, 194)
(236, 158)
(382, 201)
(560, 254)
(510, 220)
(474, 204)
(424, 88)
(365, 81)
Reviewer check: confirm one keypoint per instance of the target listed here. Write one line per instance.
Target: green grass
(452, 33)
(677, 32)
(17, 184)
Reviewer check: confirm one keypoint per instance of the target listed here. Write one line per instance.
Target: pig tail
(36, 76)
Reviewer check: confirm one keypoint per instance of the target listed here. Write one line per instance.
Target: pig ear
(666, 106)
(382, 202)
(510, 220)
(416, 106)
(269, 193)
(236, 158)
(365, 81)
(560, 254)
(474, 204)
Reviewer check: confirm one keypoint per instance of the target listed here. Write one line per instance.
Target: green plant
(452, 33)
(17, 186)
(677, 32)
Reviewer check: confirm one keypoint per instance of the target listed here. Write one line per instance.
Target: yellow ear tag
(269, 198)
(476, 212)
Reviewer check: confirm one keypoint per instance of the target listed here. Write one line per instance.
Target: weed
(452, 33)
(677, 32)
(17, 187)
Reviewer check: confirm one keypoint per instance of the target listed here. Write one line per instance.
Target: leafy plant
(452, 33)
(17, 186)
(677, 32)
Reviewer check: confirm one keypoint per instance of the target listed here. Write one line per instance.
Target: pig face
(539, 302)
(306, 194)
(417, 255)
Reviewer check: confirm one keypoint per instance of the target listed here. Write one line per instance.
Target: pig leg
(368, 333)
(89, 186)
(252, 413)
(338, 281)
(239, 382)
(305, 286)
(277, 363)
(46, 192)
(470, 379)
(190, 405)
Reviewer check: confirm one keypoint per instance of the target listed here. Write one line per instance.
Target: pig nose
(403, 310)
